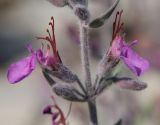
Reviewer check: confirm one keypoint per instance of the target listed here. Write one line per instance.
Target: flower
(121, 50)
(24, 67)
(57, 114)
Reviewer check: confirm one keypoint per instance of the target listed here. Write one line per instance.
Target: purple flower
(120, 50)
(57, 114)
(24, 67)
(135, 62)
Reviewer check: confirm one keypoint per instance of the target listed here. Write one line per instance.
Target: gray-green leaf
(68, 92)
(128, 83)
(98, 22)
(62, 73)
(48, 78)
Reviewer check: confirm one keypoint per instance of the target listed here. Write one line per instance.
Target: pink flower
(56, 113)
(120, 50)
(24, 67)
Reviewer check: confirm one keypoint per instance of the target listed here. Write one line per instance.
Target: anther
(47, 30)
(50, 23)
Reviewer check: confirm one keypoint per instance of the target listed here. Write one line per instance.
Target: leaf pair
(62, 81)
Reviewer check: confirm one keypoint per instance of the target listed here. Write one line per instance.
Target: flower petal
(136, 63)
(47, 110)
(116, 47)
(40, 56)
(21, 69)
(45, 60)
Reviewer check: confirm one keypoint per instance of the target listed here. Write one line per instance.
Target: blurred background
(22, 20)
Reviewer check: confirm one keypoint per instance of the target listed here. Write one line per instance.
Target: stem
(86, 71)
(93, 112)
(85, 57)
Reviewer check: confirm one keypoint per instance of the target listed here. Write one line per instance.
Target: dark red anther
(49, 34)
(52, 18)
(119, 20)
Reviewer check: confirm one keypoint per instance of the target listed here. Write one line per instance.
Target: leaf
(102, 85)
(123, 82)
(129, 83)
(62, 73)
(48, 78)
(98, 22)
(68, 92)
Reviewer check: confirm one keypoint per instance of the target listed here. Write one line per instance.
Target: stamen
(51, 39)
(49, 34)
(114, 25)
(52, 18)
(119, 21)
(113, 31)
(117, 25)
(120, 27)
(53, 43)
(52, 97)
(47, 38)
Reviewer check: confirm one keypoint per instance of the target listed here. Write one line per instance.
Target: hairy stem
(86, 71)
(85, 56)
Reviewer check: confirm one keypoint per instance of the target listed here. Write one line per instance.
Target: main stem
(86, 71)
(85, 56)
